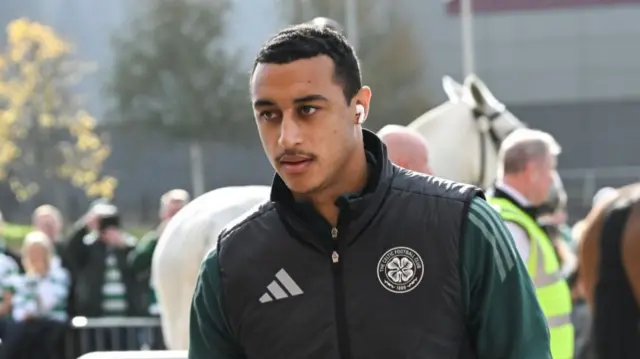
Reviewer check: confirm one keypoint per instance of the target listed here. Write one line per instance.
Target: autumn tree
(389, 53)
(44, 135)
(174, 72)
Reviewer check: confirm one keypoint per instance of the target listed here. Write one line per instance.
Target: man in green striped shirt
(503, 315)
(140, 258)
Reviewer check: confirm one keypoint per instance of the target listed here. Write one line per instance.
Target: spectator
(4, 249)
(170, 203)
(8, 268)
(105, 286)
(406, 148)
(48, 220)
(10, 265)
(86, 223)
(38, 299)
(140, 259)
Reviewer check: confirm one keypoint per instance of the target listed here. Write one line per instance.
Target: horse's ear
(478, 91)
(452, 88)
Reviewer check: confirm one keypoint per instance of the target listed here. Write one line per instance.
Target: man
(170, 203)
(105, 285)
(526, 165)
(354, 257)
(48, 220)
(85, 224)
(406, 148)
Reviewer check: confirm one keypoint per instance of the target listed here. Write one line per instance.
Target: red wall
(453, 7)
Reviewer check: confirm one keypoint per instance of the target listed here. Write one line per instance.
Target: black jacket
(87, 265)
(383, 284)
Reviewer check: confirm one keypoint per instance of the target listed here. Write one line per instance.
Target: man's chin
(300, 185)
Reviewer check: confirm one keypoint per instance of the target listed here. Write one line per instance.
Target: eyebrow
(310, 98)
(304, 99)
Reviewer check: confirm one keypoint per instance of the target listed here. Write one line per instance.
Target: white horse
(464, 133)
(186, 240)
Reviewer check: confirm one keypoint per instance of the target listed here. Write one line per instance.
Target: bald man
(406, 148)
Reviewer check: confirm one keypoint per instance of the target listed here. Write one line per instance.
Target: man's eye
(267, 115)
(308, 110)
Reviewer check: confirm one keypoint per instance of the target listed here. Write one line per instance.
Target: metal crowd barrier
(153, 354)
(97, 337)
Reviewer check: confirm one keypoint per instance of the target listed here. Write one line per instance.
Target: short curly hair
(306, 41)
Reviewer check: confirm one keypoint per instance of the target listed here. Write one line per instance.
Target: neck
(352, 178)
(517, 185)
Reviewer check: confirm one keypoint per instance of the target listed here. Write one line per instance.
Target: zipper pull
(335, 257)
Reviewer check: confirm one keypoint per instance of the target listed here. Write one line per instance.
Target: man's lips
(295, 164)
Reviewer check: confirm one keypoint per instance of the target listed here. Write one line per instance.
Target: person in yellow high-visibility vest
(526, 166)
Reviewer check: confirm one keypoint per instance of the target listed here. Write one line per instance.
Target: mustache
(308, 155)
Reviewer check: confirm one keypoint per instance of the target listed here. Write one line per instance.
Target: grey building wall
(574, 54)
(571, 71)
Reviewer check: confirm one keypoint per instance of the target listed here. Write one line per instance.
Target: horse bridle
(496, 140)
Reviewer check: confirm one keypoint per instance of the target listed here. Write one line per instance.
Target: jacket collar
(499, 192)
(356, 209)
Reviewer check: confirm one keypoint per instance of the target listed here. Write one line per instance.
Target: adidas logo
(275, 290)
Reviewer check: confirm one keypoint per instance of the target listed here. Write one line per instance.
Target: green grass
(15, 233)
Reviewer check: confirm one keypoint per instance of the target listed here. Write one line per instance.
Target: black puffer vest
(384, 284)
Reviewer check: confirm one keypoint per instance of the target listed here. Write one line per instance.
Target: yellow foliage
(34, 105)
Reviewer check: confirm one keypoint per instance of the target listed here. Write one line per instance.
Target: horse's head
(464, 133)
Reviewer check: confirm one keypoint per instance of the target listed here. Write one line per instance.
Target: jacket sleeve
(504, 318)
(140, 257)
(75, 254)
(209, 334)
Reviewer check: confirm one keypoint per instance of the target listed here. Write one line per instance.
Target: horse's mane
(590, 234)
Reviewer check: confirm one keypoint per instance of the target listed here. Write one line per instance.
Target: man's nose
(290, 133)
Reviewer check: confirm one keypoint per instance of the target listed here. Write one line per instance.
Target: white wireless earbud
(360, 113)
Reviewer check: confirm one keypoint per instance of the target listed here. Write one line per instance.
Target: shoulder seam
(474, 188)
(253, 216)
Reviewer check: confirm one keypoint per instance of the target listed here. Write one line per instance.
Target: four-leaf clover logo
(400, 269)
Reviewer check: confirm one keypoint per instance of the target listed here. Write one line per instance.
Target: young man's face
(307, 128)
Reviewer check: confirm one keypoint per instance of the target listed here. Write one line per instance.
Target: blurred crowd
(96, 270)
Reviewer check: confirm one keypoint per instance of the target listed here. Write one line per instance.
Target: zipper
(339, 301)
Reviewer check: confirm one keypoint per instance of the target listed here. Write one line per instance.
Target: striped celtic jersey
(38, 296)
(8, 268)
(114, 301)
(154, 308)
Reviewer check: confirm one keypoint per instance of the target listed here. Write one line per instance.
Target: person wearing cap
(106, 284)
(72, 246)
